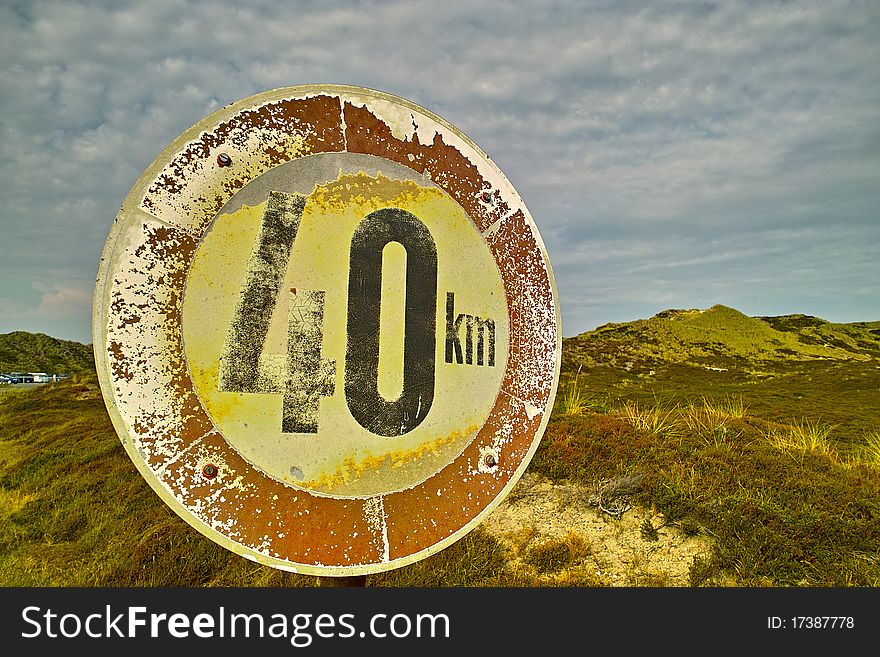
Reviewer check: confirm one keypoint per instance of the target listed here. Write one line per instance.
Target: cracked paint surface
(336, 145)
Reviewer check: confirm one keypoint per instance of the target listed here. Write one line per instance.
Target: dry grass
(655, 420)
(573, 400)
(808, 437)
(712, 420)
(774, 520)
(554, 554)
(871, 450)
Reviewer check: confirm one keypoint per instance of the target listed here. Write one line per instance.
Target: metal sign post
(327, 330)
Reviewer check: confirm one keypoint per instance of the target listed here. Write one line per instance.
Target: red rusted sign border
(143, 371)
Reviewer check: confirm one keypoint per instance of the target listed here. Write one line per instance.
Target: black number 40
(304, 376)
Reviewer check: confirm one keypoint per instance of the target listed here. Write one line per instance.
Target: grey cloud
(647, 139)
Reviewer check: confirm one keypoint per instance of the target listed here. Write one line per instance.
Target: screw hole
(224, 160)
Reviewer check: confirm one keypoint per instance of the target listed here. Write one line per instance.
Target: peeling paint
(172, 272)
(374, 509)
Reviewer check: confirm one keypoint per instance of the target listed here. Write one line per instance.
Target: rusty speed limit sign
(327, 330)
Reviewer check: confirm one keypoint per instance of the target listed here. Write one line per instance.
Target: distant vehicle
(19, 377)
(31, 377)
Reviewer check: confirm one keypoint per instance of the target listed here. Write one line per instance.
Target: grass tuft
(654, 420)
(871, 449)
(729, 406)
(808, 437)
(555, 554)
(648, 531)
(573, 402)
(713, 421)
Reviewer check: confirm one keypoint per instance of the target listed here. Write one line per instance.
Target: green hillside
(783, 368)
(722, 338)
(757, 436)
(36, 352)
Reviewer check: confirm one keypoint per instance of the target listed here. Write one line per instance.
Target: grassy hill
(721, 338)
(36, 352)
(785, 369)
(758, 436)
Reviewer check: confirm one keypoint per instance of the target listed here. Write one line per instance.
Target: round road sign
(327, 330)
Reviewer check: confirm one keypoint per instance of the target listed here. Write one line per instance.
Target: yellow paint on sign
(343, 458)
(391, 324)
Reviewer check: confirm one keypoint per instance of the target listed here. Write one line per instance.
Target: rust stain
(290, 128)
(257, 511)
(442, 163)
(422, 516)
(532, 311)
(153, 387)
(118, 363)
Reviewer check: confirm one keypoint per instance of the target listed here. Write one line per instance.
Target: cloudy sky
(672, 154)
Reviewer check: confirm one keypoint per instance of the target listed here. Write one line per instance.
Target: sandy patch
(617, 554)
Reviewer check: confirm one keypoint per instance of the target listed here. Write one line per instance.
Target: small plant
(711, 420)
(704, 421)
(709, 424)
(702, 572)
(689, 528)
(807, 438)
(573, 402)
(871, 449)
(554, 554)
(649, 531)
(612, 496)
(653, 420)
(728, 407)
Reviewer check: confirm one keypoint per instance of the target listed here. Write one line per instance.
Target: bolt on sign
(327, 330)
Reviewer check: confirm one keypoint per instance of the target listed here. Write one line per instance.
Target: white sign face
(327, 331)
